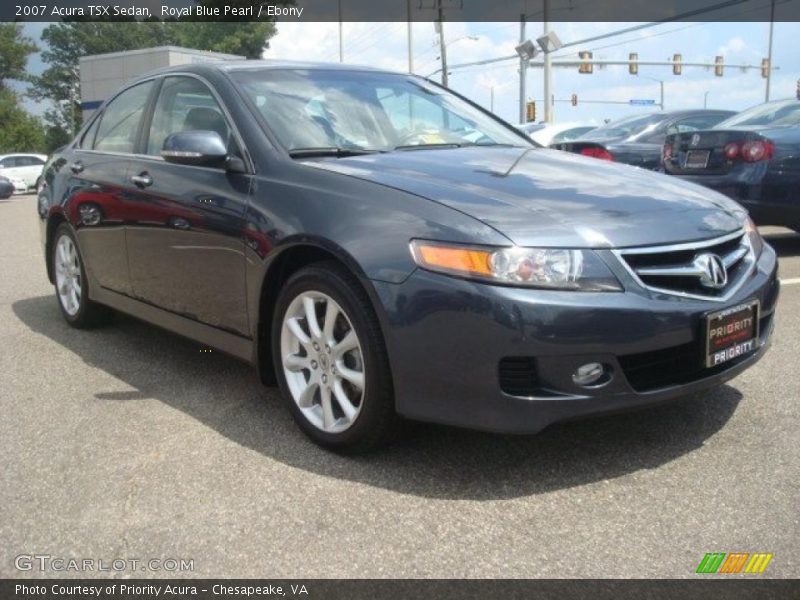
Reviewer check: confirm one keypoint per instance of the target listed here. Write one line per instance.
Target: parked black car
(381, 246)
(6, 188)
(753, 157)
(638, 140)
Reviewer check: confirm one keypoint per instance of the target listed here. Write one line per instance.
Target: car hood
(536, 196)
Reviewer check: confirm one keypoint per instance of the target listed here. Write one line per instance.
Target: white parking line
(792, 281)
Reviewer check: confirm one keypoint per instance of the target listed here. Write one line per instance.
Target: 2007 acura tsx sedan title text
(383, 247)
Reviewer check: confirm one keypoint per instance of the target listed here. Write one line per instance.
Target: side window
(9, 162)
(119, 124)
(36, 161)
(185, 104)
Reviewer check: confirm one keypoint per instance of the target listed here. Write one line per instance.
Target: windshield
(624, 128)
(369, 111)
(771, 114)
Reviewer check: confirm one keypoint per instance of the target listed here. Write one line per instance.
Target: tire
(71, 285)
(330, 363)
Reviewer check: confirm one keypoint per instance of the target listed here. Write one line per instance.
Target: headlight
(551, 268)
(755, 239)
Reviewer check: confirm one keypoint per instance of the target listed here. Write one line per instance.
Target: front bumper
(446, 338)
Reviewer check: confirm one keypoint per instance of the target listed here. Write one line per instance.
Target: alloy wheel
(68, 275)
(322, 361)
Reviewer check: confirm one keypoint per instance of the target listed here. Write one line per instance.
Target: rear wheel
(330, 360)
(72, 289)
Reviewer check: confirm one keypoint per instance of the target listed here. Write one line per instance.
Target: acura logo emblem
(695, 139)
(713, 273)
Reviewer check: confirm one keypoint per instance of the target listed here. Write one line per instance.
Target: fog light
(589, 374)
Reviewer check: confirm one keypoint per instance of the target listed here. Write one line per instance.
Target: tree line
(57, 86)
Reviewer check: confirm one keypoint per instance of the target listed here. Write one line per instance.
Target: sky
(385, 45)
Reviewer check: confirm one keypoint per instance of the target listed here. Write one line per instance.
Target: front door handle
(76, 167)
(142, 180)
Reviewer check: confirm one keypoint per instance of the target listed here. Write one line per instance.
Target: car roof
(37, 155)
(267, 64)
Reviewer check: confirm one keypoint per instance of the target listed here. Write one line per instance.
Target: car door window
(185, 104)
(119, 124)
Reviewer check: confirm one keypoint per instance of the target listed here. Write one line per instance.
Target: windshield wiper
(452, 145)
(330, 151)
(427, 146)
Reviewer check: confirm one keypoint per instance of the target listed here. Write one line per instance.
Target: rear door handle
(142, 180)
(76, 167)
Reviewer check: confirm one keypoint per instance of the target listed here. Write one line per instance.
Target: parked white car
(22, 169)
(545, 134)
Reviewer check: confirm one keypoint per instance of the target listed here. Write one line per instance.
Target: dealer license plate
(731, 333)
(697, 159)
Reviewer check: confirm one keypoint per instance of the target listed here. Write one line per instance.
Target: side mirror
(199, 148)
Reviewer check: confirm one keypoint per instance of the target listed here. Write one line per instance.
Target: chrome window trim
(749, 259)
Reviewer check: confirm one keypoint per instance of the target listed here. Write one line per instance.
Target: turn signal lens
(461, 260)
(556, 268)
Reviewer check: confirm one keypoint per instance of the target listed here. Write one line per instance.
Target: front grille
(677, 365)
(518, 376)
(679, 269)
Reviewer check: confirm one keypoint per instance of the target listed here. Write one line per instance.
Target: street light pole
(769, 49)
(523, 68)
(341, 37)
(410, 41)
(548, 72)
(705, 100)
(442, 45)
(661, 85)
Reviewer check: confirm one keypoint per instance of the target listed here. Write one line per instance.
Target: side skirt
(237, 346)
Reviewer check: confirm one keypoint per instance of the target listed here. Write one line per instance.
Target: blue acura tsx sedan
(383, 248)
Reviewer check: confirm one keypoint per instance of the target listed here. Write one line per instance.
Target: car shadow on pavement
(785, 244)
(428, 460)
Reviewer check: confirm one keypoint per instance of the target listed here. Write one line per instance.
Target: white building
(103, 74)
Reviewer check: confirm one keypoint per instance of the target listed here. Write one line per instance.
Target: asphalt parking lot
(129, 442)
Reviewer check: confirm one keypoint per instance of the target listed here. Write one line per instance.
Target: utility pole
(705, 99)
(341, 37)
(523, 69)
(442, 46)
(410, 41)
(661, 83)
(769, 49)
(491, 99)
(548, 71)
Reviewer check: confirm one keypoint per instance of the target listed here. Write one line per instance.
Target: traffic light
(719, 63)
(676, 64)
(633, 65)
(574, 99)
(765, 67)
(585, 67)
(530, 112)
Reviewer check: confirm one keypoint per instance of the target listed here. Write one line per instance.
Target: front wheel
(330, 359)
(72, 290)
